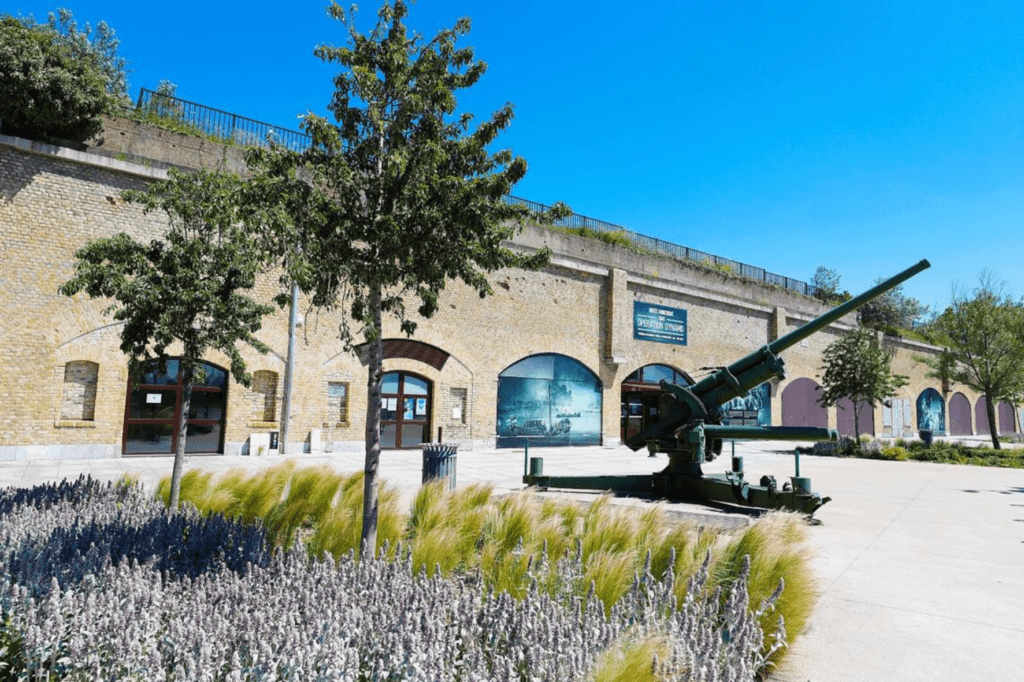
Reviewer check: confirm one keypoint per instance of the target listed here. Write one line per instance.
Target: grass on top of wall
(470, 530)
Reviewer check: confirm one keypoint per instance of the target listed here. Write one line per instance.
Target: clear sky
(859, 135)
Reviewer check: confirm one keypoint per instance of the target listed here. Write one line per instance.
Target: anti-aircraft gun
(692, 428)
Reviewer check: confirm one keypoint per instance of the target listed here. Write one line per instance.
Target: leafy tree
(187, 287)
(826, 286)
(56, 79)
(858, 368)
(893, 310)
(983, 338)
(395, 198)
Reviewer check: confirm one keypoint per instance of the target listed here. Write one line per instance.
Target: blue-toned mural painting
(548, 400)
(758, 400)
(931, 412)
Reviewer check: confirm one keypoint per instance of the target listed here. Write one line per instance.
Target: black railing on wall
(222, 126)
(683, 252)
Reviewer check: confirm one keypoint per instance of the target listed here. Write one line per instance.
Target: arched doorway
(845, 420)
(960, 415)
(981, 417)
(152, 411)
(640, 396)
(405, 410)
(931, 412)
(800, 405)
(1006, 420)
(548, 399)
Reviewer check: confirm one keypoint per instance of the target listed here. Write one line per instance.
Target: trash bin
(926, 437)
(439, 462)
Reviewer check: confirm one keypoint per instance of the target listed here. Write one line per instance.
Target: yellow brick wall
(580, 306)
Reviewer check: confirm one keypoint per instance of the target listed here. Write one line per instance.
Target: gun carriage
(692, 428)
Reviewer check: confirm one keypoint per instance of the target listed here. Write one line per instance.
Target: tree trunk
(993, 425)
(179, 452)
(856, 421)
(373, 407)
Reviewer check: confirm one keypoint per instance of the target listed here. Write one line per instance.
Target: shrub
(894, 452)
(106, 615)
(58, 80)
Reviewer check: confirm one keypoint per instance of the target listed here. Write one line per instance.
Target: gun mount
(692, 428)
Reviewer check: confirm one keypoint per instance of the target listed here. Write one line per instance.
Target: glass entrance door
(153, 408)
(405, 410)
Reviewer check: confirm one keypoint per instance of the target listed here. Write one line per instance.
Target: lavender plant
(98, 609)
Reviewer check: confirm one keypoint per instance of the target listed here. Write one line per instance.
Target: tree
(858, 368)
(395, 198)
(892, 311)
(187, 287)
(983, 338)
(57, 80)
(826, 286)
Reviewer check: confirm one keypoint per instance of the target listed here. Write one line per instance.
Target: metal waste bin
(439, 462)
(926, 437)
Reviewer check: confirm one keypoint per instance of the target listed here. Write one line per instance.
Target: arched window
(640, 397)
(549, 399)
(153, 409)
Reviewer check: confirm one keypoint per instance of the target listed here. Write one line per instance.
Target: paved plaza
(920, 565)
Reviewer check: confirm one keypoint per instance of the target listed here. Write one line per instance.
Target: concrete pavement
(920, 564)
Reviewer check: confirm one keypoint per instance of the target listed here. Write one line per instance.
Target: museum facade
(569, 355)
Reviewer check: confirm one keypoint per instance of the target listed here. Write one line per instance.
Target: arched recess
(1006, 420)
(931, 412)
(845, 420)
(78, 394)
(800, 405)
(548, 399)
(640, 396)
(152, 411)
(960, 416)
(981, 424)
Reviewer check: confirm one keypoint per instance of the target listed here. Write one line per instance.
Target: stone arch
(800, 405)
(960, 416)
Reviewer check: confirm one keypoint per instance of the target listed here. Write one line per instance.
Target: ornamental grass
(470, 531)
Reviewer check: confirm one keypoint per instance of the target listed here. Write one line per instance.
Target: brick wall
(64, 380)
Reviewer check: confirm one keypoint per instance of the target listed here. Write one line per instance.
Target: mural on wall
(931, 412)
(548, 400)
(753, 410)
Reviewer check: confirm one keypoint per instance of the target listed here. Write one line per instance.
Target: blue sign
(659, 323)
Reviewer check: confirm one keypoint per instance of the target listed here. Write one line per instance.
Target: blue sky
(862, 136)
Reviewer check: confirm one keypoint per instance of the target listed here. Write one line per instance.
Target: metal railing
(221, 126)
(576, 221)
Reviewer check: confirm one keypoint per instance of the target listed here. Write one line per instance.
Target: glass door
(405, 410)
